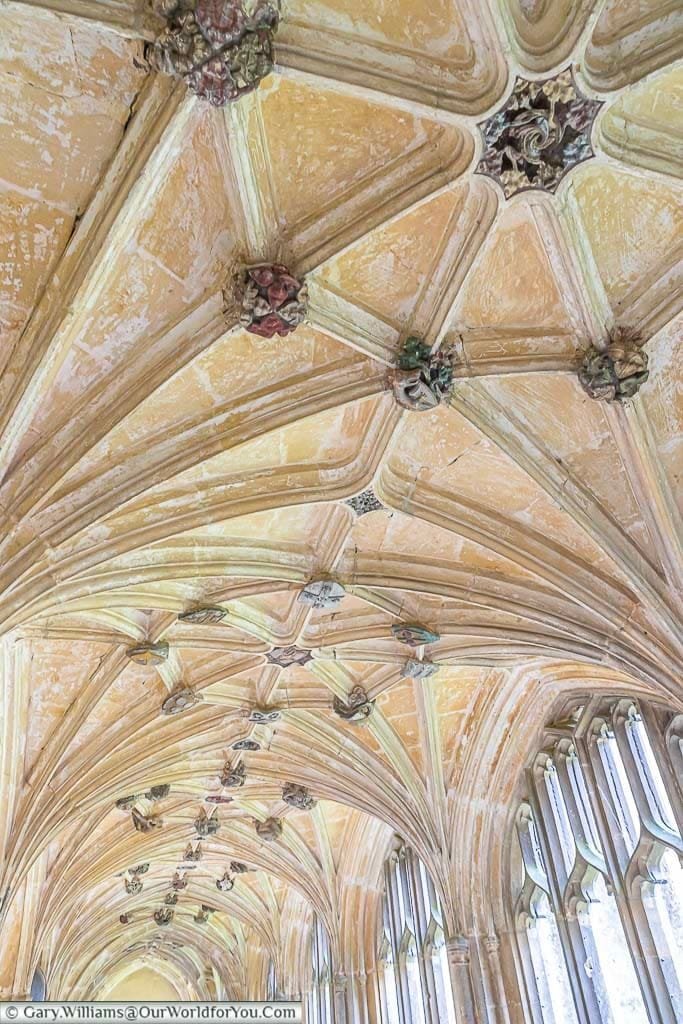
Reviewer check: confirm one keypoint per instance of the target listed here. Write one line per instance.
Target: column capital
(339, 981)
(458, 949)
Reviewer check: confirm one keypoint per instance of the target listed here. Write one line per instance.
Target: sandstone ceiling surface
(156, 458)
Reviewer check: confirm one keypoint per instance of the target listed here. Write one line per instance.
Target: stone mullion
(404, 986)
(672, 773)
(525, 962)
(391, 897)
(585, 998)
(493, 980)
(654, 827)
(631, 910)
(430, 1004)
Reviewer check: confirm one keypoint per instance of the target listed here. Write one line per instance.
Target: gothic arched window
(415, 981)
(38, 987)
(321, 1000)
(599, 911)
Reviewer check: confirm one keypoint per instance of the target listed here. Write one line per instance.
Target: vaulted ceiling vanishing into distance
(158, 458)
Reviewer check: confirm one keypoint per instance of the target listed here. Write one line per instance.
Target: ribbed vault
(156, 458)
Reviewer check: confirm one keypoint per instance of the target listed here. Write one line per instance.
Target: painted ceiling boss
(221, 48)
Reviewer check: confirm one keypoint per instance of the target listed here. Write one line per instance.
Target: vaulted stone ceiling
(157, 458)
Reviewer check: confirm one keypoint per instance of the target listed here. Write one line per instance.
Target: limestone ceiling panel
(158, 460)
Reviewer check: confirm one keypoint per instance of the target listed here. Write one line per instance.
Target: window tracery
(599, 915)
(320, 1002)
(415, 984)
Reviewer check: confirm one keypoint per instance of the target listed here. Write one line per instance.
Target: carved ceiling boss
(543, 131)
(616, 372)
(203, 616)
(220, 48)
(413, 634)
(272, 300)
(422, 379)
(270, 829)
(356, 708)
(322, 594)
(298, 796)
(206, 826)
(181, 700)
(286, 656)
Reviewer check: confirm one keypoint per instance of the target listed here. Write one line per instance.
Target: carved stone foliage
(272, 300)
(414, 669)
(270, 829)
(170, 899)
(143, 823)
(163, 916)
(414, 635)
(422, 379)
(356, 708)
(286, 656)
(221, 48)
(178, 882)
(298, 796)
(232, 777)
(543, 131)
(322, 594)
(225, 883)
(203, 616)
(618, 371)
(133, 885)
(246, 745)
(262, 715)
(206, 826)
(180, 701)
(148, 654)
(365, 502)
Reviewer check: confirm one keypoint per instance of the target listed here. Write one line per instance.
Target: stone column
(500, 1008)
(458, 951)
(339, 988)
